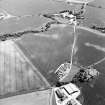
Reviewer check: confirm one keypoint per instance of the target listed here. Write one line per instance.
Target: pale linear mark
(53, 36)
(36, 31)
(84, 3)
(73, 46)
(75, 1)
(79, 2)
(72, 19)
(7, 36)
(95, 63)
(4, 15)
(18, 34)
(100, 48)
